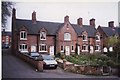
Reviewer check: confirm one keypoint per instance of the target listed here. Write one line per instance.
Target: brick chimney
(111, 24)
(66, 19)
(92, 22)
(34, 17)
(80, 22)
(14, 13)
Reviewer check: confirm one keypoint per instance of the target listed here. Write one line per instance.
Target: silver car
(49, 61)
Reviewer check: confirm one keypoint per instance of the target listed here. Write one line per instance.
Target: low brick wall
(35, 63)
(81, 69)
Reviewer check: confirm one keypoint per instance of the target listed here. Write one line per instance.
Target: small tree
(6, 12)
(112, 41)
(117, 50)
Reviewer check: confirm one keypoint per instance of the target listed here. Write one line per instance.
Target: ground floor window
(72, 49)
(62, 48)
(84, 47)
(23, 48)
(42, 48)
(97, 48)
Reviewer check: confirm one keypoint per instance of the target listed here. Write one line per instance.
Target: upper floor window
(43, 35)
(67, 36)
(97, 37)
(84, 37)
(23, 48)
(23, 35)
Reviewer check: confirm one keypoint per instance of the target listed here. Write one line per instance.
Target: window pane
(72, 48)
(67, 36)
(43, 35)
(21, 34)
(20, 46)
(25, 46)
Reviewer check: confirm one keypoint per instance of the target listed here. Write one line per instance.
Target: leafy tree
(117, 51)
(112, 41)
(6, 12)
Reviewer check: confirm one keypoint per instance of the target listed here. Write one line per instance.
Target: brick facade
(6, 39)
(50, 37)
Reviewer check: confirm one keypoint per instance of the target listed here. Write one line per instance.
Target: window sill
(97, 51)
(23, 39)
(43, 51)
(85, 40)
(84, 50)
(67, 40)
(97, 40)
(72, 51)
(42, 39)
(62, 51)
(24, 51)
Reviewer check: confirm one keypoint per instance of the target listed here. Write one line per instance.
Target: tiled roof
(108, 31)
(111, 31)
(51, 27)
(90, 30)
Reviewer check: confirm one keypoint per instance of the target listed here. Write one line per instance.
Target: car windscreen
(34, 54)
(47, 57)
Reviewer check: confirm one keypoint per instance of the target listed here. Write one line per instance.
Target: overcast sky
(103, 12)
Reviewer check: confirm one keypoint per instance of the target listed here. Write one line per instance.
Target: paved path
(13, 67)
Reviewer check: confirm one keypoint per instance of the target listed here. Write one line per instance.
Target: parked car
(35, 55)
(49, 61)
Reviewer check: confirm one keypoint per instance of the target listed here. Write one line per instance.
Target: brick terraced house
(107, 32)
(6, 39)
(52, 37)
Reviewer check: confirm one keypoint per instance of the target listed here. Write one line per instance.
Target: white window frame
(67, 36)
(24, 36)
(44, 35)
(98, 49)
(7, 39)
(23, 48)
(61, 49)
(73, 48)
(86, 38)
(40, 47)
(98, 37)
(86, 48)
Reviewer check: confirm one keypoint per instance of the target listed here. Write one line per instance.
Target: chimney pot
(92, 22)
(111, 24)
(66, 18)
(34, 17)
(80, 22)
(14, 13)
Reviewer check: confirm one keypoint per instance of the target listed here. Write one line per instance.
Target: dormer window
(67, 36)
(23, 35)
(43, 35)
(97, 37)
(84, 37)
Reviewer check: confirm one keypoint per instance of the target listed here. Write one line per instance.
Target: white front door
(52, 50)
(91, 49)
(78, 48)
(33, 48)
(67, 50)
